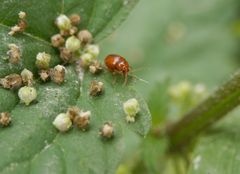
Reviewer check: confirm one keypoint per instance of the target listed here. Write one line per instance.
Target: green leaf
(29, 46)
(158, 102)
(31, 144)
(37, 144)
(8, 100)
(32, 127)
(98, 16)
(101, 17)
(153, 154)
(218, 151)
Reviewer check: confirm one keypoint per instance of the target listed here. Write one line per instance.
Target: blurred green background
(183, 39)
(178, 40)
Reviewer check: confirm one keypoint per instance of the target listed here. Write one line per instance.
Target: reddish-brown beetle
(117, 64)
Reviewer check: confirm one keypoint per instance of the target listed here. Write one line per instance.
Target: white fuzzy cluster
(63, 22)
(73, 44)
(90, 54)
(43, 60)
(27, 94)
(131, 108)
(62, 122)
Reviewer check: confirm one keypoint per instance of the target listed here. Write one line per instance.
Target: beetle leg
(125, 79)
(114, 78)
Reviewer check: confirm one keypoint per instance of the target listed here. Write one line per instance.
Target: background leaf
(218, 151)
(158, 102)
(180, 40)
(183, 40)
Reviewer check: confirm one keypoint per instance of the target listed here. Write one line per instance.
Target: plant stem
(217, 105)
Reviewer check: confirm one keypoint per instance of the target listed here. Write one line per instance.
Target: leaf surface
(31, 144)
(218, 151)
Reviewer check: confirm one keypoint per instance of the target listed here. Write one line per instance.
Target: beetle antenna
(138, 78)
